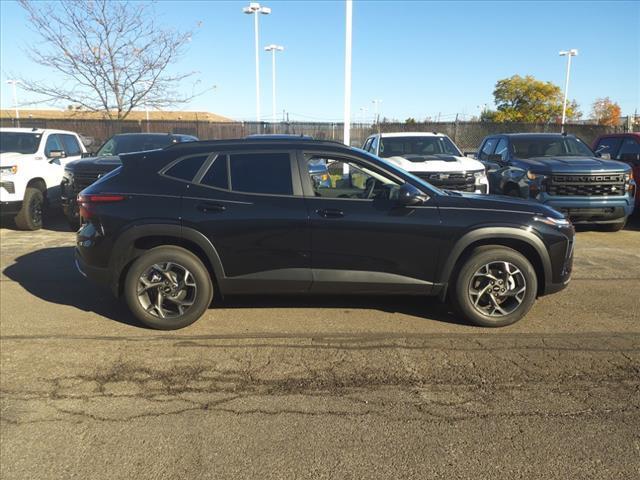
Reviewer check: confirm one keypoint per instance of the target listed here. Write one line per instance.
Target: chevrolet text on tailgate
(170, 228)
(562, 172)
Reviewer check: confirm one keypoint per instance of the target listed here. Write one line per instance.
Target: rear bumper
(98, 275)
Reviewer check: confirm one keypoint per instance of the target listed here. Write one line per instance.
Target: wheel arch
(522, 241)
(139, 238)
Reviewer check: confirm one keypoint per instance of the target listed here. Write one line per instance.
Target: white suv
(432, 157)
(32, 164)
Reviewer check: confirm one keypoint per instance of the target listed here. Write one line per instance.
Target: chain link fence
(467, 135)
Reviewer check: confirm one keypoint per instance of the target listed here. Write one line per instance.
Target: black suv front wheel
(168, 288)
(496, 286)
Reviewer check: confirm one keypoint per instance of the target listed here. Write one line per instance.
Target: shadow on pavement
(50, 275)
(54, 221)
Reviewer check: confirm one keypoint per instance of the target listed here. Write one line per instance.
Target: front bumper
(10, 208)
(591, 209)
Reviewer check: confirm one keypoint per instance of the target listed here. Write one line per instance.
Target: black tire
(461, 284)
(201, 297)
(614, 227)
(30, 215)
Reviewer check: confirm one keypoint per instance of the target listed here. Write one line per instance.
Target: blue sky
(421, 59)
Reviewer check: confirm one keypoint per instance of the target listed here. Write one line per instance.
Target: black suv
(171, 227)
(79, 174)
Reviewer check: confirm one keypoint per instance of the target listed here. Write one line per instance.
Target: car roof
(35, 130)
(620, 135)
(412, 134)
(257, 142)
(534, 134)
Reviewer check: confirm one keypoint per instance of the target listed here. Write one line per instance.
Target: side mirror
(604, 156)
(409, 196)
(494, 157)
(471, 154)
(56, 154)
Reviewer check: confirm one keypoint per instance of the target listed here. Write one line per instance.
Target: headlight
(12, 170)
(479, 176)
(554, 222)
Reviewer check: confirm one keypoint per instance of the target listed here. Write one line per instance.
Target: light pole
(254, 9)
(347, 76)
(14, 84)
(376, 102)
(273, 49)
(567, 53)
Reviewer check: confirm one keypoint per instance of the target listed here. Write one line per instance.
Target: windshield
(134, 143)
(401, 146)
(19, 142)
(550, 146)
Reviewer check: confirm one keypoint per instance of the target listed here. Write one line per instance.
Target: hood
(106, 162)
(572, 164)
(500, 202)
(8, 159)
(436, 163)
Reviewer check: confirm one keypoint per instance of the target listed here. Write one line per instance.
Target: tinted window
(423, 145)
(135, 143)
(217, 175)
(549, 146)
(609, 145)
(53, 143)
(71, 145)
(19, 142)
(487, 148)
(503, 149)
(261, 173)
(367, 144)
(629, 146)
(186, 169)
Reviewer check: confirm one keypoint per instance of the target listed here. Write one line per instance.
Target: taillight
(86, 202)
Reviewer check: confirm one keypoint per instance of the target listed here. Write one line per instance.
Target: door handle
(211, 208)
(330, 213)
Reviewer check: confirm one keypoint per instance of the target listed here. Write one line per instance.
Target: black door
(361, 240)
(250, 206)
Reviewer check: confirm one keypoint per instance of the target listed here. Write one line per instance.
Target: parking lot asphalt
(293, 387)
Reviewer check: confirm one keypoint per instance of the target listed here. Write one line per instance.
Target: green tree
(410, 121)
(527, 100)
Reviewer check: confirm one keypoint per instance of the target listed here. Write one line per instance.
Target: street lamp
(253, 9)
(273, 49)
(376, 102)
(15, 83)
(567, 53)
(347, 77)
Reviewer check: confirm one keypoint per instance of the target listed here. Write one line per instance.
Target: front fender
(492, 233)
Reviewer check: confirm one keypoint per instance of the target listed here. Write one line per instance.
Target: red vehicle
(624, 147)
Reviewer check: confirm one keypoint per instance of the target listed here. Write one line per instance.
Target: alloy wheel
(166, 290)
(497, 289)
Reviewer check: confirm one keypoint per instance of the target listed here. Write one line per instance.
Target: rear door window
(186, 168)
(630, 145)
(217, 175)
(268, 173)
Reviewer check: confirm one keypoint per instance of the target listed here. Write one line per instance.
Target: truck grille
(82, 179)
(463, 182)
(588, 185)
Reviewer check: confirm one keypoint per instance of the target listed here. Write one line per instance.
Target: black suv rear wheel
(495, 286)
(168, 288)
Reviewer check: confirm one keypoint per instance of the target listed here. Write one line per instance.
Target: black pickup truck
(79, 174)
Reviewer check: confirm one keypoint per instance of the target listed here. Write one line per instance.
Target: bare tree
(110, 55)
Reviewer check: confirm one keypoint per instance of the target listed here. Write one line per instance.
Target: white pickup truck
(431, 156)
(32, 164)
